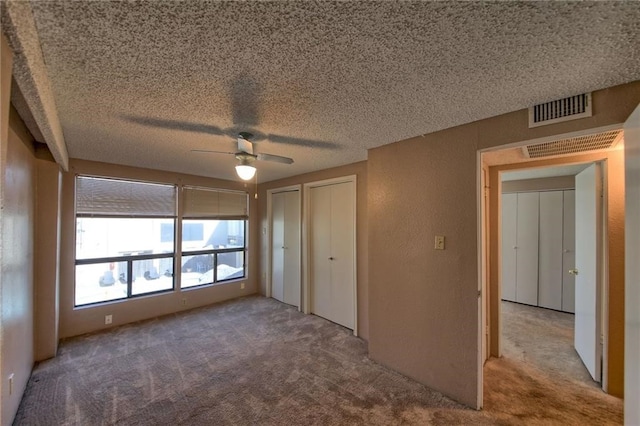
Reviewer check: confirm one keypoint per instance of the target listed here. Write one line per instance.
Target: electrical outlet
(241, 286)
(439, 245)
(108, 319)
(10, 383)
(184, 301)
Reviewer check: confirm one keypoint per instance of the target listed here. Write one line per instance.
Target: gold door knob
(573, 271)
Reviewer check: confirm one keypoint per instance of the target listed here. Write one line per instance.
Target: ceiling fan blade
(275, 158)
(245, 145)
(175, 125)
(208, 151)
(302, 142)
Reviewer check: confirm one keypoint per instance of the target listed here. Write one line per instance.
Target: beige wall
(16, 248)
(17, 223)
(75, 321)
(47, 255)
(615, 248)
(423, 303)
(358, 169)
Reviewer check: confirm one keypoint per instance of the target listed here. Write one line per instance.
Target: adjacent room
(319, 212)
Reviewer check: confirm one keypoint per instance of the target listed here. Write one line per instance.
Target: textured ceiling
(144, 83)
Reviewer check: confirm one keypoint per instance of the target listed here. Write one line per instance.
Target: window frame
(177, 252)
(215, 252)
(129, 259)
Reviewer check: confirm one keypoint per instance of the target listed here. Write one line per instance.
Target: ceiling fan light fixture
(245, 170)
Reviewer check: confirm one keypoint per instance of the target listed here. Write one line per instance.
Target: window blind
(114, 197)
(214, 203)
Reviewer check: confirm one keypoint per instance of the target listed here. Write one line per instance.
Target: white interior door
(277, 246)
(550, 250)
(320, 251)
(331, 252)
(285, 247)
(587, 283)
(527, 251)
(292, 248)
(509, 220)
(342, 256)
(568, 251)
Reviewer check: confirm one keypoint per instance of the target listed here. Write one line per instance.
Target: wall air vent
(566, 109)
(580, 144)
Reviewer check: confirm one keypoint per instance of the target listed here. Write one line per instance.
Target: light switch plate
(439, 245)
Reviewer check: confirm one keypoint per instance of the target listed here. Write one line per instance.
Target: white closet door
(277, 245)
(568, 251)
(527, 256)
(550, 250)
(292, 248)
(320, 251)
(509, 221)
(331, 246)
(342, 259)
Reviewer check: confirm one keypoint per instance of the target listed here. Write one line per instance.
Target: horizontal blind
(214, 203)
(113, 197)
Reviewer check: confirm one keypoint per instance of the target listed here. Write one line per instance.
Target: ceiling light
(244, 169)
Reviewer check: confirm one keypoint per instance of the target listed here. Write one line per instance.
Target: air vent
(579, 144)
(566, 109)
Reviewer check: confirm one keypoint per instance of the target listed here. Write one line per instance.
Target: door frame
(490, 286)
(270, 192)
(306, 261)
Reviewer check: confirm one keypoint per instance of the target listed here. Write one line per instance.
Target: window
(125, 239)
(213, 236)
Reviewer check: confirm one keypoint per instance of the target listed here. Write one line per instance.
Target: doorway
(551, 226)
(612, 296)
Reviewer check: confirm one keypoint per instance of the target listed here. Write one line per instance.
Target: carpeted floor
(257, 361)
(540, 378)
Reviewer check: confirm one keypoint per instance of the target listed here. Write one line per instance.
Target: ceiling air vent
(578, 144)
(566, 109)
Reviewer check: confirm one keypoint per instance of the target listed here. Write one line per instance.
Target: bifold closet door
(331, 242)
(569, 251)
(285, 249)
(550, 252)
(509, 221)
(277, 246)
(527, 249)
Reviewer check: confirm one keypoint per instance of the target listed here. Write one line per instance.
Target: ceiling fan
(246, 155)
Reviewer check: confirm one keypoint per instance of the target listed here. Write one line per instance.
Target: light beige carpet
(540, 379)
(257, 361)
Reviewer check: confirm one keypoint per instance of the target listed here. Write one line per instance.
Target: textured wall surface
(78, 321)
(360, 170)
(423, 303)
(16, 266)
